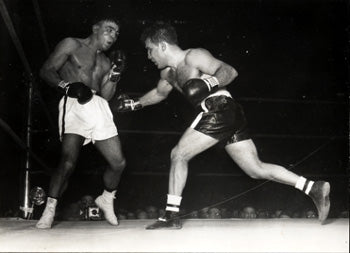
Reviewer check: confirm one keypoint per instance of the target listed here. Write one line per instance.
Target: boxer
(87, 78)
(203, 79)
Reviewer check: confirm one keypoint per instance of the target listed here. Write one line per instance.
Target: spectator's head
(278, 213)
(344, 214)
(248, 213)
(224, 213)
(122, 216)
(236, 213)
(72, 212)
(152, 212)
(214, 213)
(310, 214)
(130, 216)
(262, 214)
(296, 214)
(194, 215)
(203, 213)
(11, 213)
(141, 214)
(182, 212)
(284, 215)
(87, 201)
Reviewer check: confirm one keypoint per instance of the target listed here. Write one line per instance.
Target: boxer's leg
(71, 145)
(112, 151)
(191, 144)
(244, 153)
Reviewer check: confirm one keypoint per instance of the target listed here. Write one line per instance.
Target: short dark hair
(99, 20)
(159, 32)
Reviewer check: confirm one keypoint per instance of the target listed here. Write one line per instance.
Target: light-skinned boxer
(202, 79)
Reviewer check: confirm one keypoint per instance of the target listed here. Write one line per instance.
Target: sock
(304, 185)
(109, 196)
(51, 201)
(173, 203)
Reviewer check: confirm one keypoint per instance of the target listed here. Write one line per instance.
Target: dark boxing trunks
(222, 119)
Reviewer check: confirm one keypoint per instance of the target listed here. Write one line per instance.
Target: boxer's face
(155, 53)
(107, 33)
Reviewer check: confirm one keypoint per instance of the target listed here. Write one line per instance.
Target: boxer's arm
(154, 96)
(108, 87)
(116, 65)
(49, 70)
(157, 94)
(208, 64)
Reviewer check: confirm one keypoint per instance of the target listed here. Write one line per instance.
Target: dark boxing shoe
(320, 195)
(166, 223)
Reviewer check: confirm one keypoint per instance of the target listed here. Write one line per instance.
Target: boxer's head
(157, 39)
(106, 32)
(160, 32)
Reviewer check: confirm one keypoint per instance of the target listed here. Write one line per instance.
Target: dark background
(293, 80)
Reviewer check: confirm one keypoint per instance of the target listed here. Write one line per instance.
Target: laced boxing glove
(126, 104)
(195, 90)
(118, 60)
(77, 90)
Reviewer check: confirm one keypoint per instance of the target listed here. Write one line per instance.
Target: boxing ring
(197, 235)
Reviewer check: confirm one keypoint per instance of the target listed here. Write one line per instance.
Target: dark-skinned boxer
(87, 79)
(202, 79)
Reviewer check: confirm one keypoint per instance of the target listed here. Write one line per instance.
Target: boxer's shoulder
(71, 42)
(193, 54)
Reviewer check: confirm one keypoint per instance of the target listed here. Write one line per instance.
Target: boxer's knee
(179, 155)
(257, 171)
(256, 174)
(66, 168)
(118, 165)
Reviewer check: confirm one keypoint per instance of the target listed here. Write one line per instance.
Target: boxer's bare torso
(84, 64)
(177, 77)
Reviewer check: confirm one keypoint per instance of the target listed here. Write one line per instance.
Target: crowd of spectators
(85, 209)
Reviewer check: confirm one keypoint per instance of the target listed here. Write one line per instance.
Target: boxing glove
(118, 61)
(79, 91)
(126, 104)
(195, 90)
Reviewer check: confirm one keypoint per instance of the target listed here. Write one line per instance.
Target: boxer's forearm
(50, 76)
(108, 89)
(152, 97)
(225, 74)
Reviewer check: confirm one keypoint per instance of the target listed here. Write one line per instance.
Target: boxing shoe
(319, 193)
(168, 221)
(48, 215)
(105, 203)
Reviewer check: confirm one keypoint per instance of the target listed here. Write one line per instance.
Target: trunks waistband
(217, 93)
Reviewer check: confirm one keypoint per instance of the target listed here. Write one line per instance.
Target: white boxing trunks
(93, 120)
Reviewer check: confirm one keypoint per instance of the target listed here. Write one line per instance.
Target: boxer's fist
(118, 62)
(79, 91)
(195, 90)
(126, 104)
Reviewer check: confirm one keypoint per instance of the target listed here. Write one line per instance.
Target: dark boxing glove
(195, 90)
(118, 61)
(126, 104)
(77, 90)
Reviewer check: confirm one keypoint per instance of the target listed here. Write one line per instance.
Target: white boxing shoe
(105, 203)
(48, 215)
